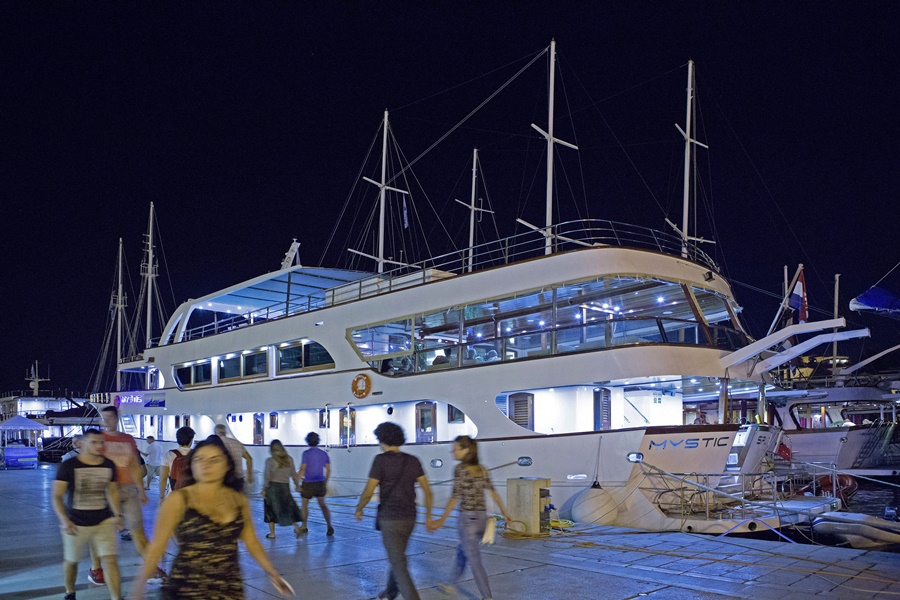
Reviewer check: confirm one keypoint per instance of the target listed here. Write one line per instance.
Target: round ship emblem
(362, 385)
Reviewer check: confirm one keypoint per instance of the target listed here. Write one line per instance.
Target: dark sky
(247, 125)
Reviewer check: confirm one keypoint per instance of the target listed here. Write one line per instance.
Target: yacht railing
(565, 237)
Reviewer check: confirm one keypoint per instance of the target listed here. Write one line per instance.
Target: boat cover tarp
(879, 300)
(20, 423)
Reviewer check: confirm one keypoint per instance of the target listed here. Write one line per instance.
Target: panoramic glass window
(254, 364)
(711, 305)
(230, 367)
(385, 338)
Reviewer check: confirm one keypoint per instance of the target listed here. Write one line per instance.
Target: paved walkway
(586, 562)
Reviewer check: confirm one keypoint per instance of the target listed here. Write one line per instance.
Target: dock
(584, 561)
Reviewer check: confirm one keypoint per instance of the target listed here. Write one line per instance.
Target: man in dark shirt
(86, 502)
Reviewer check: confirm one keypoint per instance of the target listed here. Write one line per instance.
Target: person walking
(278, 503)
(470, 482)
(315, 469)
(86, 502)
(238, 453)
(395, 473)
(121, 448)
(185, 437)
(154, 456)
(76, 448)
(207, 517)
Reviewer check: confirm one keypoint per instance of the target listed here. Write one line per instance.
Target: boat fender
(595, 505)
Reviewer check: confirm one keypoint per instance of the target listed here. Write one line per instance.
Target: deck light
(635, 457)
(708, 276)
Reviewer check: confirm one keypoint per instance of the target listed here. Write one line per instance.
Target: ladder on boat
(876, 436)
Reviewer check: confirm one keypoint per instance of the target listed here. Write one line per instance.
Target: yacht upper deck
(300, 289)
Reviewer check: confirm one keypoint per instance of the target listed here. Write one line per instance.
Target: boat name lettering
(691, 443)
(131, 399)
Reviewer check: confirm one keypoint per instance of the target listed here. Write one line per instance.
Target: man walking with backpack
(172, 470)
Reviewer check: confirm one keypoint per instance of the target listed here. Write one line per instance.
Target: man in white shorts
(86, 502)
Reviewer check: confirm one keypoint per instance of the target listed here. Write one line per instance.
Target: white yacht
(562, 350)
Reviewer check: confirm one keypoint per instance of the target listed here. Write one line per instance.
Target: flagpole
(786, 300)
(837, 287)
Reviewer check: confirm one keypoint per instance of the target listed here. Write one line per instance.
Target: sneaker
(330, 531)
(95, 576)
(159, 577)
(125, 536)
(69, 596)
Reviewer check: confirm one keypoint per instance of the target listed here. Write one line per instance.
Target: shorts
(153, 470)
(312, 489)
(101, 537)
(130, 501)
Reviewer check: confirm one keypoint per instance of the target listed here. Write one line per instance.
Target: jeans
(471, 529)
(395, 536)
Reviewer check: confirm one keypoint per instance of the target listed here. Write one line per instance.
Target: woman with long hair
(279, 505)
(207, 517)
(395, 473)
(470, 481)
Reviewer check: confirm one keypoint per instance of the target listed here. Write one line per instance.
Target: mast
(472, 208)
(548, 135)
(119, 305)
(549, 221)
(837, 288)
(685, 209)
(383, 188)
(148, 270)
(384, 141)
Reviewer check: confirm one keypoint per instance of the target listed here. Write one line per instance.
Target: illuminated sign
(690, 443)
(139, 400)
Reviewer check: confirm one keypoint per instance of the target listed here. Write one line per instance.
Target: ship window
(202, 373)
(454, 415)
(187, 420)
(230, 367)
(177, 421)
(183, 376)
(254, 364)
(711, 305)
(324, 418)
(303, 354)
(273, 420)
(437, 335)
(382, 339)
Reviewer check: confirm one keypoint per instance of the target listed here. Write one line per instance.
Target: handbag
(384, 497)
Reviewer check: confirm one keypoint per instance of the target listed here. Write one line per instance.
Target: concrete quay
(588, 561)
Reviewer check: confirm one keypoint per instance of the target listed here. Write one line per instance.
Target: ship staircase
(878, 438)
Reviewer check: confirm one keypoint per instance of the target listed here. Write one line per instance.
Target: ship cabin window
(572, 317)
(302, 355)
(192, 374)
(177, 421)
(254, 364)
(230, 367)
(324, 418)
(187, 420)
(273, 420)
(454, 415)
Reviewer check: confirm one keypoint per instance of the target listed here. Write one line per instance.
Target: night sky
(248, 125)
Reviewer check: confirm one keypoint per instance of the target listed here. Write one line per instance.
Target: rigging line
(886, 274)
(577, 154)
(464, 83)
(166, 262)
(594, 103)
(467, 117)
(428, 200)
(350, 195)
(488, 197)
(771, 196)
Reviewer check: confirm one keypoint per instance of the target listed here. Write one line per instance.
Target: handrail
(566, 237)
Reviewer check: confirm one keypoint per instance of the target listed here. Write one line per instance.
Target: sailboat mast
(685, 212)
(119, 304)
(472, 208)
(150, 274)
(384, 141)
(549, 240)
(837, 290)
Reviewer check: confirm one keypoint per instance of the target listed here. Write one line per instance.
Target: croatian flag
(798, 301)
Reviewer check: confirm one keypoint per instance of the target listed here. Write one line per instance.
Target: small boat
(840, 485)
(858, 530)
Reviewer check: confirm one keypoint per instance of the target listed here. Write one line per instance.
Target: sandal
(270, 536)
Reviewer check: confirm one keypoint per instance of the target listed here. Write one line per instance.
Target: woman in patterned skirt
(278, 504)
(470, 482)
(207, 517)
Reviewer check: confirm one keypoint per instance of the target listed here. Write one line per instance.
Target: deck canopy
(20, 423)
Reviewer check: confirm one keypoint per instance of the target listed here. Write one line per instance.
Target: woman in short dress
(207, 517)
(279, 505)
